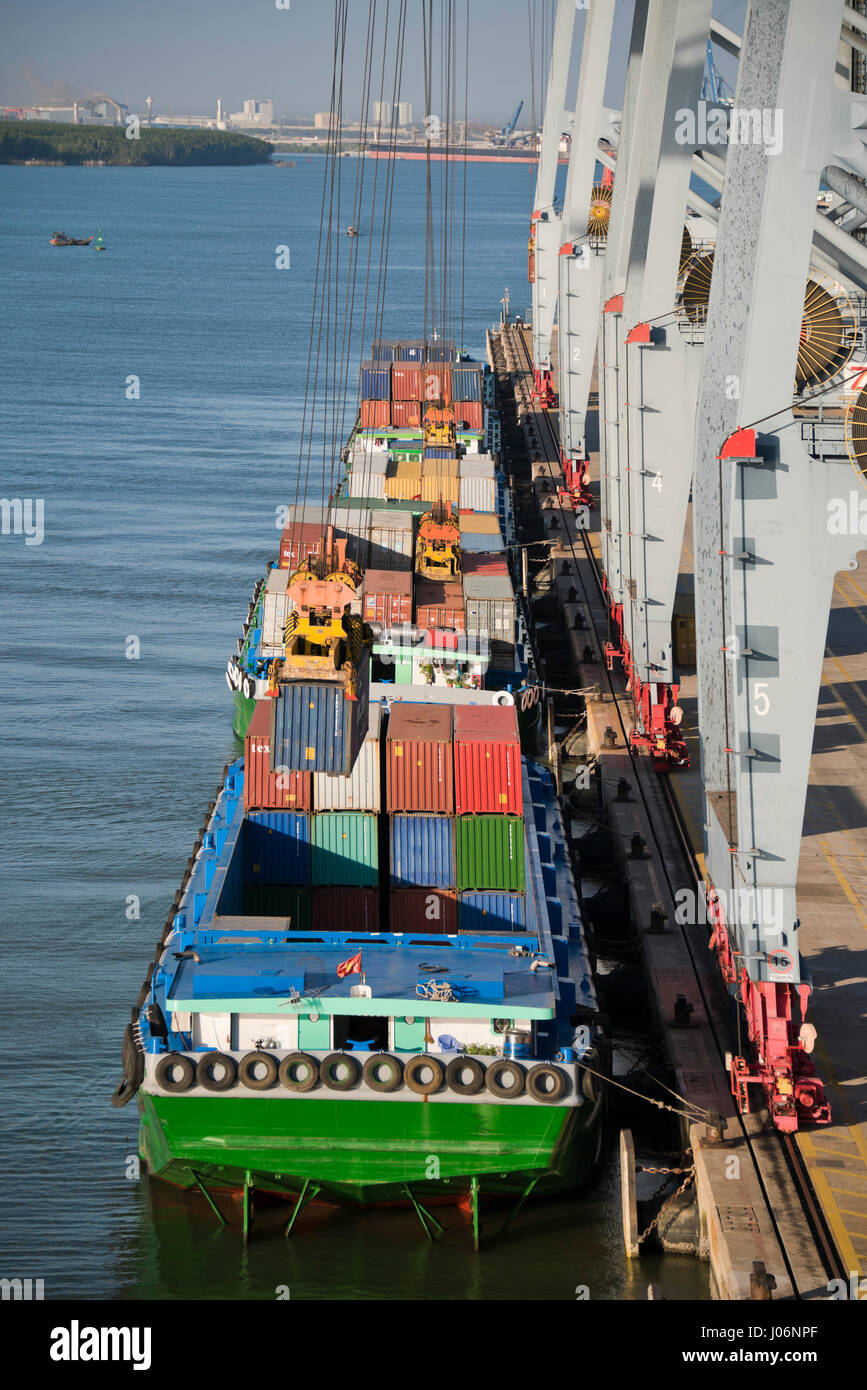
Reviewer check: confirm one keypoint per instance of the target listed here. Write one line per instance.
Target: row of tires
(236, 679)
(341, 1071)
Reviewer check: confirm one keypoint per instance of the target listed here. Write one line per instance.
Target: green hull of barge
(242, 714)
(368, 1152)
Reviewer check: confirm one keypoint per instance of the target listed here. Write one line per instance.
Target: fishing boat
(61, 239)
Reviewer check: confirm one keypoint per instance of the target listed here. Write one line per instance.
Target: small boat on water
(100, 244)
(351, 231)
(61, 239)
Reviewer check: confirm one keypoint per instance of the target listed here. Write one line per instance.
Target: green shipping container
(490, 853)
(279, 900)
(345, 850)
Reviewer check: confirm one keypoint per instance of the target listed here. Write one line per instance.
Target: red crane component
(658, 714)
(782, 1067)
(543, 388)
(577, 474)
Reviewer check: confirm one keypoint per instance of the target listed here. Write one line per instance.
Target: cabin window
(360, 1032)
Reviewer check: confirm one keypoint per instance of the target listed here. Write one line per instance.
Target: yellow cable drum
(856, 432)
(600, 211)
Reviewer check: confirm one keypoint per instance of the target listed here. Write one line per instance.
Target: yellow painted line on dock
(833, 1216)
(842, 880)
(853, 603)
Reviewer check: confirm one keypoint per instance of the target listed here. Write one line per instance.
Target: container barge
(374, 984)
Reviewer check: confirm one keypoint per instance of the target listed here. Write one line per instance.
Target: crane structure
(725, 371)
(504, 135)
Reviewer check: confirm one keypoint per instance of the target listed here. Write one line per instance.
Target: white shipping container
(391, 541)
(360, 791)
(369, 460)
(363, 484)
(275, 608)
(352, 524)
(490, 606)
(478, 494)
(477, 466)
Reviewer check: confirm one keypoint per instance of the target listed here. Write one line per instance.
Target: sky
(187, 53)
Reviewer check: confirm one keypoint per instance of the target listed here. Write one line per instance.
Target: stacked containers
(489, 825)
(360, 790)
(387, 597)
(367, 474)
(316, 728)
(403, 479)
(390, 540)
(439, 604)
(466, 381)
(345, 850)
(483, 564)
(275, 610)
(276, 866)
(439, 478)
(480, 533)
(264, 789)
(375, 381)
(352, 524)
(490, 610)
(420, 801)
(336, 906)
(301, 538)
(478, 486)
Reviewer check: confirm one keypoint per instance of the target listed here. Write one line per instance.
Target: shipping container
(437, 384)
(391, 540)
(366, 455)
(403, 479)
(487, 760)
(277, 847)
(265, 790)
(478, 466)
(483, 564)
(489, 853)
(275, 607)
(300, 540)
(478, 495)
(422, 853)
(419, 760)
(440, 453)
(345, 909)
(316, 728)
(351, 524)
(374, 415)
(468, 415)
(360, 790)
(406, 382)
(490, 606)
(437, 487)
(443, 351)
(423, 911)
(375, 382)
(406, 415)
(345, 849)
(367, 485)
(479, 524)
(383, 351)
(438, 604)
(492, 912)
(387, 597)
(278, 900)
(475, 543)
(466, 383)
(409, 350)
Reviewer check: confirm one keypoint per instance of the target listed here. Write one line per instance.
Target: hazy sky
(187, 53)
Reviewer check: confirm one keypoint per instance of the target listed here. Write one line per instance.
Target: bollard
(762, 1284)
(623, 789)
(658, 918)
(609, 737)
(637, 847)
(682, 1011)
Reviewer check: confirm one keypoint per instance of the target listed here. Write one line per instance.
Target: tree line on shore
(60, 143)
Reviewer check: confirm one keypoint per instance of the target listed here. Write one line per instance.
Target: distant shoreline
(54, 144)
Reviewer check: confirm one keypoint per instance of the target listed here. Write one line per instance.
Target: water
(159, 513)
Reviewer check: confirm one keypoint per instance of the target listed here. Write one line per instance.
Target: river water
(118, 611)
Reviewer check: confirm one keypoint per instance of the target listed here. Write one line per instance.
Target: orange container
(265, 790)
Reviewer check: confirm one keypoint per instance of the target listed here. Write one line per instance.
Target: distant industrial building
(255, 112)
(323, 120)
(96, 109)
(382, 112)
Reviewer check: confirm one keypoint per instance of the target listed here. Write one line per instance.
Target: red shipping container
(421, 911)
(406, 415)
(483, 564)
(487, 760)
(346, 909)
(469, 413)
(406, 382)
(438, 604)
(299, 540)
(437, 383)
(375, 413)
(387, 597)
(419, 759)
(265, 790)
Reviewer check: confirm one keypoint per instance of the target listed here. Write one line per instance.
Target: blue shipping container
(316, 729)
(383, 351)
(441, 352)
(410, 351)
(277, 847)
(375, 382)
(492, 912)
(422, 852)
(435, 451)
(466, 384)
(476, 544)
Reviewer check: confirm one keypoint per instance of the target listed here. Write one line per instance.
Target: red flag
(349, 967)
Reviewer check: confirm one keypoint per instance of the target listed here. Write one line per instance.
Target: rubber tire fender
(332, 1082)
(496, 1087)
(247, 1077)
(248, 687)
(378, 1083)
(538, 1074)
(291, 1083)
(417, 1064)
(454, 1070)
(210, 1082)
(182, 1083)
